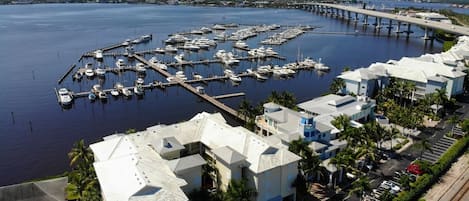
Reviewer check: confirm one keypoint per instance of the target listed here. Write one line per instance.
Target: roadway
(450, 28)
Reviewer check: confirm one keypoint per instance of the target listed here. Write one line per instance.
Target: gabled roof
(228, 155)
(113, 147)
(185, 163)
(317, 146)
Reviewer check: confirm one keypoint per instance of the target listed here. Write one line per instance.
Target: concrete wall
(289, 173)
(228, 172)
(193, 177)
(351, 87)
(171, 155)
(458, 86)
(432, 86)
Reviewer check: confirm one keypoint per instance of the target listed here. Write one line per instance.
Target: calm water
(39, 42)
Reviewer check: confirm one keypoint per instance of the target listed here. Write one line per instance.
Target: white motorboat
(139, 81)
(118, 86)
(220, 36)
(65, 96)
(190, 46)
(160, 50)
(162, 66)
(180, 75)
(89, 72)
(153, 60)
(145, 38)
(200, 89)
(89, 65)
(321, 66)
(78, 75)
(197, 32)
(307, 62)
(240, 44)
(96, 88)
(114, 92)
(126, 42)
(120, 63)
(249, 70)
(98, 54)
(235, 78)
(179, 58)
(171, 79)
(228, 72)
(197, 76)
(100, 71)
(138, 90)
(260, 77)
(126, 92)
(264, 69)
(270, 51)
(140, 67)
(137, 41)
(102, 95)
(206, 30)
(177, 38)
(218, 27)
(288, 70)
(170, 49)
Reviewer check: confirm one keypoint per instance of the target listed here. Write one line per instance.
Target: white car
(392, 187)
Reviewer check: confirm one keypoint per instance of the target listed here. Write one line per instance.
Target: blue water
(39, 42)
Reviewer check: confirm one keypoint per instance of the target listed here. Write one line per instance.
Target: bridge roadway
(450, 28)
(192, 89)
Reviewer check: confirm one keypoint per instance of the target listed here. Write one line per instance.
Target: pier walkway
(192, 89)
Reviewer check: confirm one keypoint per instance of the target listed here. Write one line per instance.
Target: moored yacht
(179, 58)
(140, 67)
(89, 72)
(98, 54)
(120, 64)
(100, 71)
(65, 96)
(240, 44)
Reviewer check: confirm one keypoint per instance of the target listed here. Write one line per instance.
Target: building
(165, 162)
(429, 72)
(313, 122)
(434, 17)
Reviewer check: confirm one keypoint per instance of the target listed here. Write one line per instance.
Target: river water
(39, 42)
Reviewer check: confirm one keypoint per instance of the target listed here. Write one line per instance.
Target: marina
(36, 132)
(221, 57)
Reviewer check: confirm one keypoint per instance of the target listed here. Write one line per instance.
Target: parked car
(414, 168)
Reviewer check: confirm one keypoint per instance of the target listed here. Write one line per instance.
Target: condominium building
(429, 72)
(165, 162)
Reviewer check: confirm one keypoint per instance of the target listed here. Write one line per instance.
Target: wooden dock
(66, 73)
(192, 89)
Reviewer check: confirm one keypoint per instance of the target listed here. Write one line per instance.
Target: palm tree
(244, 109)
(80, 154)
(423, 146)
(440, 98)
(238, 190)
(342, 122)
(336, 85)
(404, 180)
(359, 186)
(393, 133)
(453, 120)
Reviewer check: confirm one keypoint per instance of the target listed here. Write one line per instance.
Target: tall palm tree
(238, 190)
(440, 98)
(359, 186)
(80, 154)
(336, 85)
(423, 146)
(453, 120)
(244, 109)
(393, 133)
(342, 122)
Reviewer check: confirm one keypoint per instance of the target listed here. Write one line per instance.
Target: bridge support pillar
(425, 37)
(408, 30)
(349, 15)
(398, 29)
(356, 18)
(366, 20)
(389, 27)
(343, 14)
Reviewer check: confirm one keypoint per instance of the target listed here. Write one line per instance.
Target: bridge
(346, 13)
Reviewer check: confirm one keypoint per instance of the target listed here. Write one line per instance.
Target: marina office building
(165, 162)
(429, 72)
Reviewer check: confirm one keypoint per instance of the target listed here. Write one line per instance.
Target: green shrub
(425, 181)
